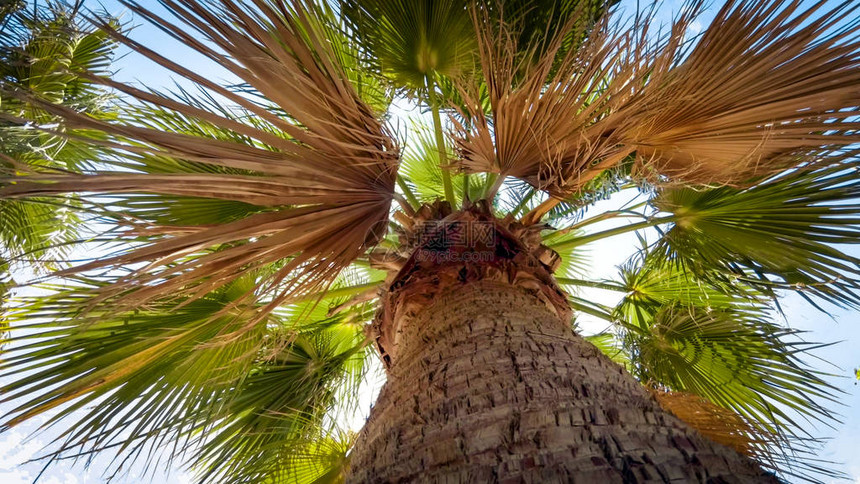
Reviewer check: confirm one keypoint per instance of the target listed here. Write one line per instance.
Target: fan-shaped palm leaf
(559, 124)
(329, 171)
(574, 260)
(776, 234)
(737, 362)
(649, 285)
(48, 53)
(413, 40)
(164, 373)
(766, 85)
(686, 335)
(610, 346)
(422, 167)
(544, 125)
(322, 460)
(280, 404)
(5, 282)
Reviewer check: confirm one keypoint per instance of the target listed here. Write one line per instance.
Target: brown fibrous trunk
(487, 382)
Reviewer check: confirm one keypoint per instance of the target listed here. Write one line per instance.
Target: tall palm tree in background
(242, 252)
(45, 50)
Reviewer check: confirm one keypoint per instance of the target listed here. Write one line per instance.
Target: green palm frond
(745, 364)
(611, 346)
(50, 54)
(5, 283)
(780, 233)
(321, 460)
(591, 308)
(413, 40)
(421, 168)
(574, 260)
(279, 404)
(647, 285)
(732, 360)
(716, 342)
(198, 371)
(32, 229)
(51, 57)
(416, 40)
(105, 350)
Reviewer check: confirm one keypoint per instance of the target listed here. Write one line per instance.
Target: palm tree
(44, 50)
(257, 244)
(48, 51)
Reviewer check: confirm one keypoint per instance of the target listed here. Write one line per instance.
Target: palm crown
(248, 234)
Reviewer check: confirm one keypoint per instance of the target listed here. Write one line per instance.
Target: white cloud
(15, 476)
(15, 449)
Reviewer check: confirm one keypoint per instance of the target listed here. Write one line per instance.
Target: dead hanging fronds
(315, 163)
(763, 89)
(550, 120)
(717, 423)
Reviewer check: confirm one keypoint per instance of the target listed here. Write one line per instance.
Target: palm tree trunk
(489, 384)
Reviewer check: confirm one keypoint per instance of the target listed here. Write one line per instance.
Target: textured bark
(490, 384)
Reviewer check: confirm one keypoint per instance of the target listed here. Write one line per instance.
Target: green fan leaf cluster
(682, 334)
(185, 370)
(50, 52)
(783, 233)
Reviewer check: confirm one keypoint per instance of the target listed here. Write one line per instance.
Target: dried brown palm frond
(318, 165)
(764, 89)
(716, 423)
(551, 120)
(766, 85)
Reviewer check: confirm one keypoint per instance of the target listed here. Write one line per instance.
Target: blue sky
(840, 359)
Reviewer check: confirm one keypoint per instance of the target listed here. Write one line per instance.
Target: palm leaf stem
(586, 239)
(592, 309)
(629, 213)
(631, 207)
(597, 285)
(407, 192)
(538, 212)
(440, 140)
(520, 206)
(494, 182)
(404, 204)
